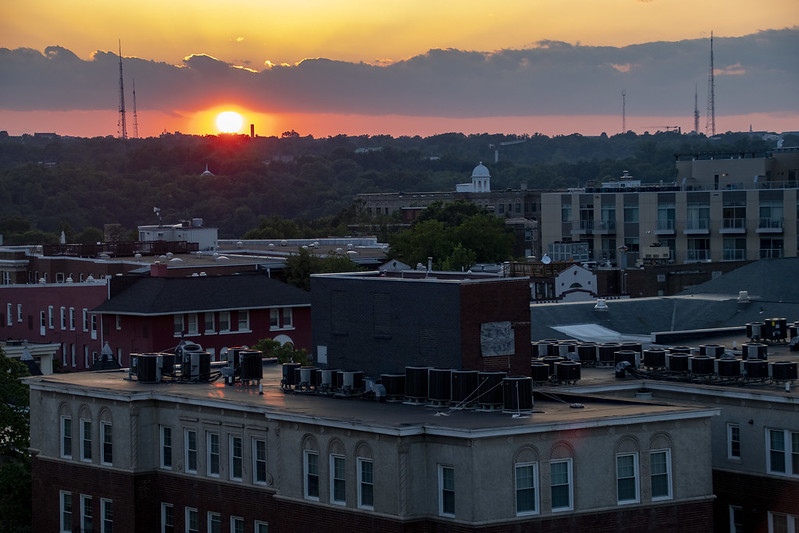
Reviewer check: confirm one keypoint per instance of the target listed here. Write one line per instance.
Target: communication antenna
(710, 126)
(623, 112)
(123, 129)
(135, 116)
(696, 109)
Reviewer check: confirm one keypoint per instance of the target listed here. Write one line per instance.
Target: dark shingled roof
(163, 296)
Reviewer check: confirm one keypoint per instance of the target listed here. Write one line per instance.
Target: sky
(398, 67)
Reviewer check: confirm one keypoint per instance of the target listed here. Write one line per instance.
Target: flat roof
(550, 412)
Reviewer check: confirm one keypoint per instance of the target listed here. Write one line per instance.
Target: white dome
(480, 171)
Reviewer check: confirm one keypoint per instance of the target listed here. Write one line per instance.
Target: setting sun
(229, 122)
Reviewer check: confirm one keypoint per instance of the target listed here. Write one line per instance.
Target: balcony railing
(734, 255)
(698, 255)
(665, 226)
(733, 223)
(770, 224)
(771, 253)
(606, 226)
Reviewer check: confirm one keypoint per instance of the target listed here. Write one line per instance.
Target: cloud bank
(758, 73)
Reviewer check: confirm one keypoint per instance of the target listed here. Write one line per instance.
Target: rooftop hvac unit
(416, 383)
(776, 329)
(606, 351)
(166, 362)
(756, 369)
(550, 361)
(489, 392)
(439, 385)
(754, 350)
(784, 371)
(539, 372)
(729, 367)
(633, 346)
(394, 385)
(147, 368)
(680, 350)
(711, 350)
(702, 365)
(754, 330)
(289, 374)
(586, 352)
(626, 355)
(352, 381)
(252, 368)
(517, 394)
(540, 349)
(654, 358)
(464, 387)
(678, 362)
(567, 371)
(198, 365)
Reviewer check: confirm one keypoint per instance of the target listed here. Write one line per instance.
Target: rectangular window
(660, 467)
(192, 520)
(366, 484)
(85, 319)
(118, 322)
(561, 484)
(244, 320)
(288, 318)
(9, 316)
(526, 498)
(85, 439)
(72, 318)
(783, 451)
(107, 516)
(66, 511)
(214, 523)
(782, 523)
(627, 478)
(338, 492)
(736, 519)
(50, 319)
(177, 325)
(259, 461)
(446, 490)
(190, 444)
(19, 313)
(93, 321)
(66, 437)
(166, 447)
(274, 318)
(86, 514)
(224, 321)
(733, 441)
(236, 524)
(212, 458)
(167, 518)
(311, 467)
(261, 527)
(236, 461)
(107, 456)
(209, 323)
(193, 328)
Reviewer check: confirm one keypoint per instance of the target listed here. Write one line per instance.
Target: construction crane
(496, 146)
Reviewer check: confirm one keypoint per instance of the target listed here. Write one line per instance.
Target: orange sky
(255, 34)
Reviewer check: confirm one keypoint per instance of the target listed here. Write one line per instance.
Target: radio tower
(696, 108)
(623, 112)
(710, 125)
(123, 129)
(135, 116)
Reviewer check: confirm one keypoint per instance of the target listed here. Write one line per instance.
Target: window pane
(625, 472)
(777, 450)
(525, 488)
(367, 484)
(660, 474)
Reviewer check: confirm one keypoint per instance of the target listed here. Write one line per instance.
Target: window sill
(290, 328)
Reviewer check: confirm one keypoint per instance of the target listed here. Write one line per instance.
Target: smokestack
(252, 131)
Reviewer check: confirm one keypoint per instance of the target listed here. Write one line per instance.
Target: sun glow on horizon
(229, 122)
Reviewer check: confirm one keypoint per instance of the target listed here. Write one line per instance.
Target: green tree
(300, 266)
(285, 353)
(15, 462)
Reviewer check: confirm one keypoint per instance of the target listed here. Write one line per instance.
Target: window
(66, 437)
(338, 492)
(177, 325)
(192, 520)
(630, 214)
(107, 456)
(66, 511)
(660, 474)
(446, 490)
(235, 458)
(63, 318)
(366, 484)
(288, 318)
(212, 459)
(190, 437)
(86, 514)
(236, 524)
(783, 451)
(736, 519)
(9, 316)
(259, 461)
(72, 318)
(214, 523)
(782, 523)
(627, 478)
(209, 322)
(19, 313)
(224, 321)
(94, 327)
(50, 322)
(274, 318)
(167, 518)
(85, 439)
(166, 447)
(560, 485)
(193, 327)
(244, 320)
(118, 322)
(526, 475)
(311, 467)
(733, 441)
(261, 527)
(107, 516)
(85, 319)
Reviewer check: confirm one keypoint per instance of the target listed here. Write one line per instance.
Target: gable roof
(164, 296)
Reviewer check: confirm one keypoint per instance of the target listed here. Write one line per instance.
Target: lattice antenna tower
(696, 109)
(623, 112)
(135, 115)
(710, 125)
(123, 128)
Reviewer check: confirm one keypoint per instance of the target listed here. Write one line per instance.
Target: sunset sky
(399, 67)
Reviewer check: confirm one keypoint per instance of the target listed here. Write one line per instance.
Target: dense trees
(15, 461)
(47, 183)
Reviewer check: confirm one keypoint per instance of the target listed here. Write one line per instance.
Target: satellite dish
(546, 259)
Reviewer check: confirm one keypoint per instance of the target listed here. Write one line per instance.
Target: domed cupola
(481, 179)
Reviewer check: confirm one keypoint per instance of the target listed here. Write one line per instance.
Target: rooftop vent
(601, 305)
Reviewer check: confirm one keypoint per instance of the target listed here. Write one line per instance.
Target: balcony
(665, 227)
(733, 254)
(769, 225)
(699, 226)
(697, 256)
(771, 253)
(733, 226)
(606, 227)
(586, 227)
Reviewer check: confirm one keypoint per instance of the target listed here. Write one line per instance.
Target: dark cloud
(754, 73)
